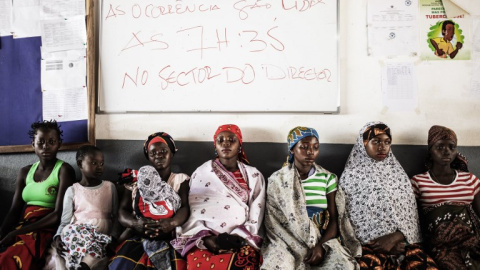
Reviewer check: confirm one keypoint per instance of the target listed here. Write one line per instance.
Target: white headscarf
(379, 196)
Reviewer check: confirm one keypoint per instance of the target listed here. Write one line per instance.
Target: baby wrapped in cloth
(155, 199)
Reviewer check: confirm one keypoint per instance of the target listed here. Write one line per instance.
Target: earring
(216, 154)
(240, 150)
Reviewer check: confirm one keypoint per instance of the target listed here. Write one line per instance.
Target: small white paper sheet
(65, 104)
(6, 14)
(60, 9)
(64, 34)
(63, 69)
(392, 27)
(399, 86)
(63, 76)
(26, 18)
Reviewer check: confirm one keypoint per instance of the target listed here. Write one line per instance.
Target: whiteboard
(218, 55)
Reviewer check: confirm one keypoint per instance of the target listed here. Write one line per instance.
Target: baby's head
(90, 161)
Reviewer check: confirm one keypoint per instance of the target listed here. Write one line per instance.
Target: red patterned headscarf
(235, 130)
(437, 133)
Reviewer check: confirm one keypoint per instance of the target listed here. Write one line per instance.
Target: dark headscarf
(235, 130)
(437, 133)
(161, 137)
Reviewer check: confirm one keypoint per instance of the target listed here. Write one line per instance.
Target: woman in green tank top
(39, 192)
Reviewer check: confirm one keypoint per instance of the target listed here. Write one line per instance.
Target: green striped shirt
(316, 188)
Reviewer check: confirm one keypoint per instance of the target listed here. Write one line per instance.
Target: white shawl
(219, 205)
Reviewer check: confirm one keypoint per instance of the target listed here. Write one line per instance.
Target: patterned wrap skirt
(29, 250)
(81, 240)
(414, 258)
(453, 232)
(246, 258)
(142, 254)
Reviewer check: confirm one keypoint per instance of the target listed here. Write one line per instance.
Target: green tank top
(42, 193)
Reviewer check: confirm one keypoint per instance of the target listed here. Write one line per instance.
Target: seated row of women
(227, 217)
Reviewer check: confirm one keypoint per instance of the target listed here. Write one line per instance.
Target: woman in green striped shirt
(301, 216)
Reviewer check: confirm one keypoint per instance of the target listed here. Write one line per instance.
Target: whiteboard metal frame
(99, 111)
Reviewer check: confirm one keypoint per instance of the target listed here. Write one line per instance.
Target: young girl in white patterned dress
(89, 212)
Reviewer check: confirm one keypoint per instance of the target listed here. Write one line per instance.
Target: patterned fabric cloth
(290, 231)
(131, 255)
(142, 254)
(415, 258)
(162, 137)
(239, 177)
(297, 134)
(247, 258)
(157, 198)
(81, 240)
(127, 177)
(219, 204)
(29, 250)
(437, 133)
(379, 196)
(235, 130)
(453, 231)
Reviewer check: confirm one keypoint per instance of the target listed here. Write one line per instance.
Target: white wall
(443, 98)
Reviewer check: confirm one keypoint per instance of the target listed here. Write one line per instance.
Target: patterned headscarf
(437, 133)
(375, 130)
(378, 194)
(161, 137)
(235, 130)
(297, 134)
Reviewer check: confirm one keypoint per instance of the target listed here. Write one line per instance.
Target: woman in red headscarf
(227, 201)
(450, 200)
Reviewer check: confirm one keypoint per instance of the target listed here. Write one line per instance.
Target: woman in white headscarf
(381, 204)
